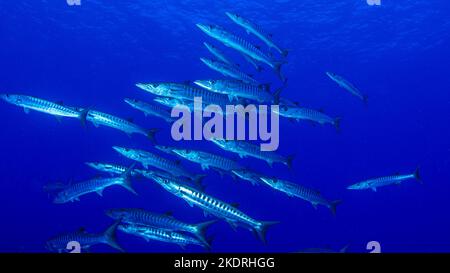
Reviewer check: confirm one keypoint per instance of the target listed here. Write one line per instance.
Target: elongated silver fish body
(228, 70)
(113, 169)
(207, 160)
(151, 109)
(150, 159)
(236, 89)
(40, 105)
(250, 176)
(302, 113)
(236, 43)
(61, 242)
(159, 234)
(163, 221)
(300, 191)
(218, 53)
(244, 149)
(99, 118)
(252, 62)
(375, 183)
(74, 191)
(256, 30)
(347, 86)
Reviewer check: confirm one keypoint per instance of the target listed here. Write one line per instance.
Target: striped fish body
(98, 118)
(236, 43)
(218, 53)
(236, 88)
(250, 176)
(150, 109)
(158, 234)
(245, 149)
(301, 113)
(186, 92)
(256, 30)
(75, 191)
(40, 105)
(228, 70)
(85, 239)
(207, 160)
(150, 159)
(112, 169)
(373, 184)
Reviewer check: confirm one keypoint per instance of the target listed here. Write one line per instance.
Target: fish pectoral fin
(190, 203)
(230, 97)
(204, 167)
(241, 155)
(314, 205)
(374, 189)
(26, 110)
(100, 192)
(95, 124)
(205, 213)
(58, 118)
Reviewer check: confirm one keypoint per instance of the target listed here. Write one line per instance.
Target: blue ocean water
(93, 54)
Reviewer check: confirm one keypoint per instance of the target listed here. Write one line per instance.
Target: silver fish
(150, 109)
(218, 54)
(228, 70)
(302, 192)
(301, 113)
(347, 86)
(374, 183)
(257, 30)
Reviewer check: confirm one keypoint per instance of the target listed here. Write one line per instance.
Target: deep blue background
(92, 55)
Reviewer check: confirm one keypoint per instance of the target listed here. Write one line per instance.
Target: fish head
(235, 17)
(14, 99)
(131, 101)
(207, 61)
(117, 214)
(358, 186)
(209, 46)
(94, 165)
(223, 143)
(155, 88)
(167, 183)
(269, 181)
(331, 75)
(125, 152)
(212, 30)
(207, 84)
(185, 153)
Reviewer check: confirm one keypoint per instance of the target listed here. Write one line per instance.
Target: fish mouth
(202, 27)
(120, 150)
(231, 15)
(129, 101)
(352, 187)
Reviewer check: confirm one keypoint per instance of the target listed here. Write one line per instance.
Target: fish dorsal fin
(187, 82)
(130, 120)
(297, 103)
(258, 47)
(178, 161)
(397, 173)
(81, 230)
(60, 102)
(321, 110)
(236, 205)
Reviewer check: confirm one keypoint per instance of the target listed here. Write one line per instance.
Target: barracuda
(112, 169)
(150, 109)
(86, 240)
(244, 149)
(228, 70)
(218, 54)
(252, 62)
(74, 191)
(236, 89)
(302, 192)
(257, 30)
(208, 160)
(250, 176)
(373, 184)
(347, 86)
(163, 235)
(184, 92)
(242, 46)
(163, 221)
(150, 159)
(151, 174)
(98, 118)
(301, 113)
(216, 207)
(32, 103)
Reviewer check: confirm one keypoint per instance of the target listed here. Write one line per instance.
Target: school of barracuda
(165, 168)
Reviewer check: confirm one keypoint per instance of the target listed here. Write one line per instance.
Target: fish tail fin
(200, 231)
(83, 116)
(333, 206)
(337, 124)
(276, 94)
(151, 134)
(261, 229)
(277, 68)
(109, 236)
(289, 160)
(126, 182)
(417, 176)
(284, 52)
(198, 180)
